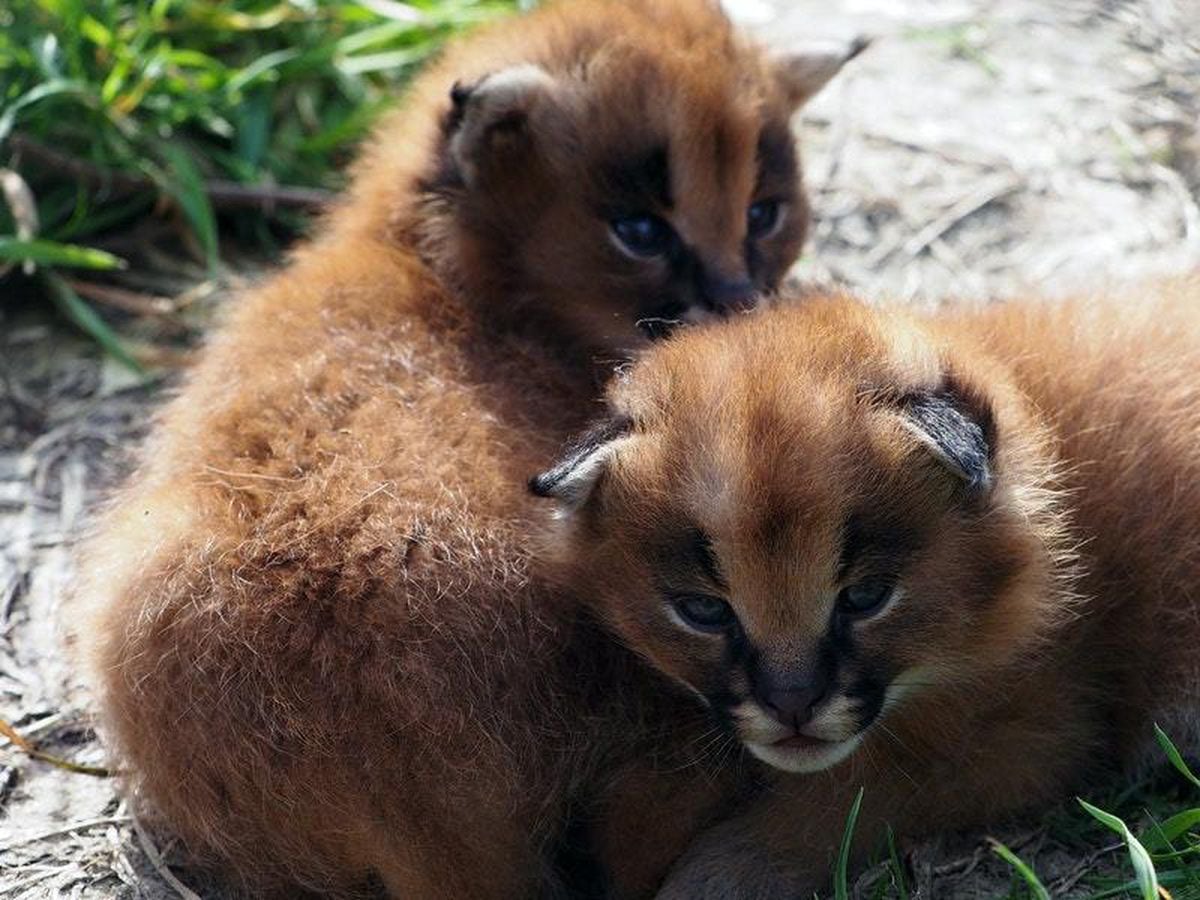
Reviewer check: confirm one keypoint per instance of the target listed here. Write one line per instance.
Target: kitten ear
(958, 428)
(803, 73)
(573, 478)
(495, 117)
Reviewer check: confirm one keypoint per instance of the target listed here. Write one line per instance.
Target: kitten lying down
(320, 654)
(953, 559)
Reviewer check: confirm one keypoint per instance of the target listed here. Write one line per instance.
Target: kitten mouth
(801, 742)
(818, 745)
(804, 753)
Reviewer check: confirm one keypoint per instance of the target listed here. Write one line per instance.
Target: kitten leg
(484, 858)
(648, 817)
(730, 863)
(752, 855)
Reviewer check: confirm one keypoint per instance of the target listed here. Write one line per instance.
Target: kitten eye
(704, 613)
(643, 235)
(865, 598)
(761, 218)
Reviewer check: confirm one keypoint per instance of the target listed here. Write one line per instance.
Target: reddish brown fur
(319, 652)
(633, 77)
(1047, 621)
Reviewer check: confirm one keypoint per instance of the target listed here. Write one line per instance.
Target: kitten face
(807, 520)
(632, 177)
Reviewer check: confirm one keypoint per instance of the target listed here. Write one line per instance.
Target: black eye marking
(869, 693)
(888, 545)
(643, 234)
(702, 547)
(637, 181)
(704, 613)
(761, 218)
(866, 597)
(776, 157)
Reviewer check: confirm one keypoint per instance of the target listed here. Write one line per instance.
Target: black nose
(726, 294)
(793, 706)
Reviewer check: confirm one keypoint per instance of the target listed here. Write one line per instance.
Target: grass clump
(111, 109)
(1161, 853)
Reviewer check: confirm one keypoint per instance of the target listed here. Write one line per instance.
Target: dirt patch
(977, 150)
(982, 149)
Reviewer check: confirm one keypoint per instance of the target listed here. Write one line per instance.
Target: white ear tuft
(573, 478)
(499, 104)
(802, 73)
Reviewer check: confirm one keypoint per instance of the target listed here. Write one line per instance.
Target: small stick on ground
(32, 752)
(66, 829)
(969, 205)
(224, 195)
(161, 867)
(123, 299)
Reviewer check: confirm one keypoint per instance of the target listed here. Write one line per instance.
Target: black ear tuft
(459, 94)
(572, 478)
(960, 430)
(804, 71)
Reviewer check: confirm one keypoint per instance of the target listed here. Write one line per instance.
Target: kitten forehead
(775, 499)
(774, 460)
(714, 172)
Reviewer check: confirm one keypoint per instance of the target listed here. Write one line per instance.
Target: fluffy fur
(580, 115)
(318, 650)
(1017, 487)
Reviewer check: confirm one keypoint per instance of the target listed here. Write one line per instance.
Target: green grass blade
(1168, 879)
(372, 37)
(1172, 828)
(52, 253)
(1022, 868)
(186, 186)
(841, 890)
(8, 117)
(253, 130)
(110, 214)
(381, 62)
(391, 9)
(85, 318)
(894, 862)
(1143, 866)
(264, 66)
(1174, 756)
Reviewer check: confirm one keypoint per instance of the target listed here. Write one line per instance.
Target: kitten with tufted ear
(496, 119)
(958, 427)
(574, 477)
(802, 73)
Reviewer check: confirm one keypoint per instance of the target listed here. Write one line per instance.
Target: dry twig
(161, 867)
(32, 752)
(224, 195)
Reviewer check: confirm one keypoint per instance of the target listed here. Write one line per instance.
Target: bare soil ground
(978, 149)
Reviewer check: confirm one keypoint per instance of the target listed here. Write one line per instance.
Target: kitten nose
(726, 293)
(793, 706)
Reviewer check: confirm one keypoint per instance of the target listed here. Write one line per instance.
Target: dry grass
(978, 149)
